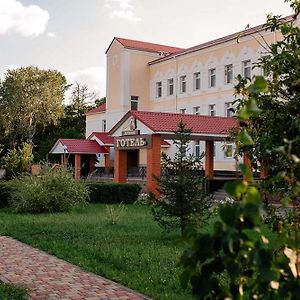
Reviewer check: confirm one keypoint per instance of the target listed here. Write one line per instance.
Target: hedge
(4, 194)
(109, 193)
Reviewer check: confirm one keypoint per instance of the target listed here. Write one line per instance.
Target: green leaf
(245, 171)
(235, 188)
(252, 107)
(245, 138)
(252, 196)
(229, 214)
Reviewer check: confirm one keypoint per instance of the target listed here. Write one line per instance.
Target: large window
(134, 102)
(212, 77)
(170, 86)
(197, 110)
(212, 110)
(247, 69)
(197, 81)
(183, 84)
(228, 110)
(228, 74)
(197, 149)
(158, 89)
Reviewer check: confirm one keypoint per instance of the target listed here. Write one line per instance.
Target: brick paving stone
(49, 278)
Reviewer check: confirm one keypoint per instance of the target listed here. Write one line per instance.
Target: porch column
(120, 166)
(107, 160)
(62, 160)
(154, 164)
(209, 159)
(77, 166)
(247, 162)
(263, 171)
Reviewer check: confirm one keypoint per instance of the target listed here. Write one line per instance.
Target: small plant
(115, 213)
(143, 199)
(55, 190)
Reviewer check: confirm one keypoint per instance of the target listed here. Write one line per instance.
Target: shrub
(110, 193)
(4, 194)
(55, 190)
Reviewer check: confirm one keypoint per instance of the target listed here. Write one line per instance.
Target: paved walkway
(49, 278)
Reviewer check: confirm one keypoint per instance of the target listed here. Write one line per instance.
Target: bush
(110, 193)
(4, 194)
(55, 190)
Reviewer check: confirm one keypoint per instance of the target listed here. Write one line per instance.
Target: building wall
(94, 123)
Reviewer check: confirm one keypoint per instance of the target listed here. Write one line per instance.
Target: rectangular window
(134, 102)
(170, 86)
(247, 69)
(103, 125)
(212, 77)
(182, 111)
(228, 151)
(212, 110)
(197, 149)
(158, 89)
(228, 74)
(228, 110)
(197, 110)
(197, 81)
(182, 84)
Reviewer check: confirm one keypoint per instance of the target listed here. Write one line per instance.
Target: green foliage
(115, 213)
(18, 160)
(12, 292)
(4, 194)
(183, 193)
(55, 190)
(109, 193)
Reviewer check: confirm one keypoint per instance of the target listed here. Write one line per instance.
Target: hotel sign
(142, 141)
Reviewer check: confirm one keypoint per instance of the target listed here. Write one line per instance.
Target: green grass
(135, 252)
(12, 292)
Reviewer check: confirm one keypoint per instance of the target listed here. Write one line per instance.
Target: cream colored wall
(94, 123)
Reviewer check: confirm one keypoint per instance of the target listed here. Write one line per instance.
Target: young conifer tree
(184, 198)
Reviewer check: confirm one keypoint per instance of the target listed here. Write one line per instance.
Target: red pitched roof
(99, 109)
(221, 40)
(77, 146)
(168, 122)
(103, 136)
(145, 46)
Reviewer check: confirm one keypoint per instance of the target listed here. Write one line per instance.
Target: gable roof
(103, 137)
(78, 146)
(96, 110)
(218, 41)
(168, 122)
(145, 46)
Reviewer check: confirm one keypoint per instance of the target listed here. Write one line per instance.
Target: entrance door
(133, 163)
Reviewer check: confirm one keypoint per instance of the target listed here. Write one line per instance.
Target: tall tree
(30, 99)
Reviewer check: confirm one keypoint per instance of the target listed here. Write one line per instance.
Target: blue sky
(72, 35)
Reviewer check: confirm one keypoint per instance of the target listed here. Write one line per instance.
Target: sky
(72, 36)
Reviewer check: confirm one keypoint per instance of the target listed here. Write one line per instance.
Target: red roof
(103, 137)
(168, 122)
(77, 146)
(145, 46)
(98, 109)
(221, 40)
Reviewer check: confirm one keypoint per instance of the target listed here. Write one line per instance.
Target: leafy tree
(30, 99)
(184, 197)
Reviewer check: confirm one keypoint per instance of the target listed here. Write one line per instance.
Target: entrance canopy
(203, 127)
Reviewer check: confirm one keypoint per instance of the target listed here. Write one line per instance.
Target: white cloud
(25, 20)
(122, 9)
(93, 77)
(51, 34)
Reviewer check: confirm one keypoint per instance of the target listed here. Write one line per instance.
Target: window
(197, 110)
(134, 102)
(228, 110)
(158, 89)
(228, 74)
(182, 84)
(196, 81)
(197, 149)
(170, 86)
(247, 69)
(212, 77)
(104, 125)
(212, 110)
(228, 151)
(182, 111)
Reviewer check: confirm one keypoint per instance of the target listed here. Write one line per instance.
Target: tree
(182, 186)
(30, 99)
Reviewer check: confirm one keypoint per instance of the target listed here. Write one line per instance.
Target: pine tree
(184, 198)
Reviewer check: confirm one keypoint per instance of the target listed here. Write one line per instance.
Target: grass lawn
(12, 292)
(135, 252)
